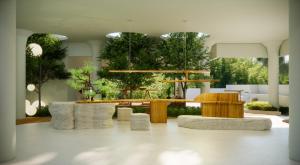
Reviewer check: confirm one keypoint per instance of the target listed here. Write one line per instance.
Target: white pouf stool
(93, 115)
(62, 115)
(140, 121)
(124, 114)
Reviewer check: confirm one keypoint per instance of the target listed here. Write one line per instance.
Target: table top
(134, 100)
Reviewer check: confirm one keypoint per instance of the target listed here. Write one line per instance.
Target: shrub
(174, 111)
(43, 112)
(284, 110)
(260, 105)
(139, 109)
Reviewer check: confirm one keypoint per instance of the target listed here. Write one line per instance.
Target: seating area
(139, 82)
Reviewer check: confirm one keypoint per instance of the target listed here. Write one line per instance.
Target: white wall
(238, 50)
(261, 92)
(77, 48)
(284, 48)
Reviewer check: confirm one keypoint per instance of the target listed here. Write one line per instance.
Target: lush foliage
(284, 110)
(184, 51)
(260, 105)
(81, 80)
(157, 89)
(43, 112)
(238, 71)
(130, 51)
(138, 51)
(283, 71)
(51, 60)
(173, 111)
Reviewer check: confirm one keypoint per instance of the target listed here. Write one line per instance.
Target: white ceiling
(225, 20)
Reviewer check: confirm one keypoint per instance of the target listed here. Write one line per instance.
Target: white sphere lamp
(30, 110)
(30, 87)
(36, 49)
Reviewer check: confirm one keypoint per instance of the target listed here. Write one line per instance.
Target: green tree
(81, 80)
(238, 71)
(283, 71)
(130, 51)
(51, 61)
(184, 51)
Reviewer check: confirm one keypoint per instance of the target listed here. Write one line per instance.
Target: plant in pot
(81, 80)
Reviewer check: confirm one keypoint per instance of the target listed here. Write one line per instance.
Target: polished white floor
(165, 144)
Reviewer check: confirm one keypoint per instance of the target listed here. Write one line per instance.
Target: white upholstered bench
(216, 123)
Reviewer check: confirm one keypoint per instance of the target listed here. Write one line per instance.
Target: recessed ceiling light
(60, 37)
(113, 35)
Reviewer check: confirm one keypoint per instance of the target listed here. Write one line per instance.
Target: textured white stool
(93, 115)
(140, 121)
(124, 114)
(62, 115)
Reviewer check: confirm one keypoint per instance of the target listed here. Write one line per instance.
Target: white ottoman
(62, 115)
(140, 121)
(124, 114)
(97, 115)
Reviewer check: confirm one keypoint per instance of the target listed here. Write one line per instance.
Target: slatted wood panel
(221, 105)
(158, 111)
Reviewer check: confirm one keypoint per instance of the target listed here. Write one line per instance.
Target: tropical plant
(238, 71)
(50, 63)
(82, 81)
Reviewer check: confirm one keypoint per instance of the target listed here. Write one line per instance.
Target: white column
(7, 79)
(95, 47)
(22, 36)
(273, 71)
(294, 76)
(206, 85)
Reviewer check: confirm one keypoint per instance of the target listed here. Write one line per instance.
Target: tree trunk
(130, 93)
(183, 88)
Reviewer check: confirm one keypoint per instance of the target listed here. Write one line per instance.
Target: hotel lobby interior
(139, 82)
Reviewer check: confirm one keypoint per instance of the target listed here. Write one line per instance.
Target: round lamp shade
(30, 110)
(36, 49)
(30, 87)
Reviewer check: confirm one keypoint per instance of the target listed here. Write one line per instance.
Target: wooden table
(158, 107)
